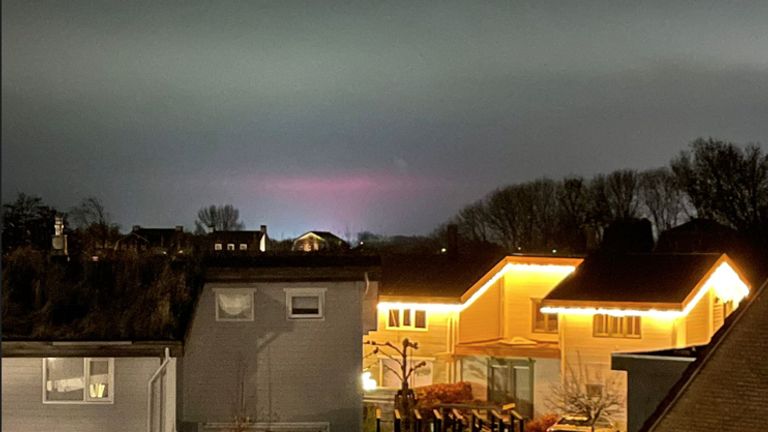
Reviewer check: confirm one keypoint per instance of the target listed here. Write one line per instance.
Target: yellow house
(639, 302)
(476, 319)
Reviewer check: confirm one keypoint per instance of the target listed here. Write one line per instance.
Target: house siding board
(292, 370)
(481, 321)
(697, 322)
(23, 410)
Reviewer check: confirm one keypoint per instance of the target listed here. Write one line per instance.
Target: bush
(443, 393)
(541, 423)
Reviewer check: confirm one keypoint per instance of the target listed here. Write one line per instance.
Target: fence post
(378, 419)
(397, 420)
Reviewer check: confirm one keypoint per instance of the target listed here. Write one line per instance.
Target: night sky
(364, 115)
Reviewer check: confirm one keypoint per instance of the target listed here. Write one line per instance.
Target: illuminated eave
(563, 270)
(726, 283)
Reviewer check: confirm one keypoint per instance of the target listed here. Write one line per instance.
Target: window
(243, 246)
(407, 319)
(234, 304)
(78, 380)
(594, 390)
(230, 246)
(543, 323)
(305, 303)
(612, 326)
(217, 246)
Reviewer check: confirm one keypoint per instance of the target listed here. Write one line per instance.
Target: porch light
(368, 382)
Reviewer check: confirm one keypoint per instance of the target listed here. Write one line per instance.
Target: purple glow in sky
(349, 116)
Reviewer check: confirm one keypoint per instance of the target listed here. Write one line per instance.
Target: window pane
(394, 318)
(406, 317)
(64, 379)
(421, 319)
(98, 379)
(235, 305)
(243, 246)
(552, 323)
(389, 378)
(423, 375)
(305, 305)
(539, 318)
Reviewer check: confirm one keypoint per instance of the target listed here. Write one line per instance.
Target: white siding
(23, 409)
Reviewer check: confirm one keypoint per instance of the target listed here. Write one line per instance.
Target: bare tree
(603, 397)
(92, 219)
(573, 213)
(663, 201)
(404, 401)
(473, 223)
(726, 183)
(218, 218)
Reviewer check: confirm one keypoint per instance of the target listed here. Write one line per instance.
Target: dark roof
(651, 278)
(235, 235)
(443, 275)
(725, 389)
(325, 235)
(292, 267)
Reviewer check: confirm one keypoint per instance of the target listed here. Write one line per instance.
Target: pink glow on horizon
(352, 183)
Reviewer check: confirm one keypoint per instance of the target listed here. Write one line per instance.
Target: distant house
(313, 241)
(725, 388)
(640, 302)
(161, 240)
(225, 242)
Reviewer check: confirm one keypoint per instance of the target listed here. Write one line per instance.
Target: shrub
(541, 423)
(443, 393)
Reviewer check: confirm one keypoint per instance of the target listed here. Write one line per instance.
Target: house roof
(434, 277)
(241, 235)
(725, 388)
(325, 235)
(616, 279)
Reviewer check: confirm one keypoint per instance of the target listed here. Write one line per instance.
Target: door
(511, 380)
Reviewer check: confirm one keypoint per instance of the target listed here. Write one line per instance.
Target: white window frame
(230, 246)
(243, 246)
(217, 291)
(290, 293)
(412, 326)
(87, 400)
(217, 246)
(623, 333)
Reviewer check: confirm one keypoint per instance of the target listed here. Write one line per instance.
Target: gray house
(272, 343)
(276, 341)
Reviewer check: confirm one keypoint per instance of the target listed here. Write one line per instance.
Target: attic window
(217, 246)
(405, 319)
(305, 303)
(243, 246)
(234, 304)
(230, 246)
(543, 323)
(612, 326)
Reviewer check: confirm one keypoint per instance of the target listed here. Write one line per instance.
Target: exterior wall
(519, 290)
(23, 409)
(482, 320)
(698, 323)
(434, 343)
(474, 370)
(546, 374)
(272, 368)
(648, 382)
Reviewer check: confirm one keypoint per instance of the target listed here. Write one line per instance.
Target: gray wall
(648, 382)
(23, 409)
(290, 371)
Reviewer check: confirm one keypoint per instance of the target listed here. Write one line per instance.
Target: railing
(457, 418)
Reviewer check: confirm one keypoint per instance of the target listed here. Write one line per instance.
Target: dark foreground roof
(643, 278)
(725, 390)
(445, 276)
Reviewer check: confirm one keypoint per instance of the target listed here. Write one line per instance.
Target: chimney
(452, 238)
(136, 228)
(179, 228)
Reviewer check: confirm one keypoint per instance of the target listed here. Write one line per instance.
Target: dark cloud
(361, 115)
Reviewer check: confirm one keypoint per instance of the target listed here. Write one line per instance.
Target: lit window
(243, 246)
(234, 304)
(613, 326)
(78, 380)
(543, 323)
(305, 303)
(230, 246)
(217, 246)
(407, 319)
